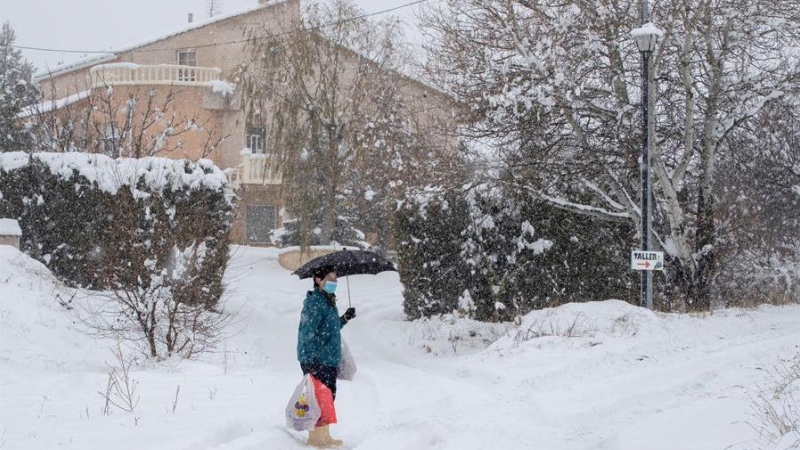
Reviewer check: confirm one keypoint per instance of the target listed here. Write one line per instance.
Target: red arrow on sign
(646, 264)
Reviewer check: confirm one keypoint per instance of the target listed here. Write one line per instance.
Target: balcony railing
(135, 74)
(255, 169)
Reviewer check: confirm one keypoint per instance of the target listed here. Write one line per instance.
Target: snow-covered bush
(152, 233)
(430, 230)
(495, 255)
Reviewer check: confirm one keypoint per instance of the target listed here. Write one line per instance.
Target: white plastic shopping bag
(347, 365)
(303, 412)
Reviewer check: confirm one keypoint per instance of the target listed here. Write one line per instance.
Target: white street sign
(647, 260)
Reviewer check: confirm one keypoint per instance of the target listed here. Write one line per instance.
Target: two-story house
(184, 75)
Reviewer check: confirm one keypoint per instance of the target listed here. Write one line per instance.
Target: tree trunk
(331, 182)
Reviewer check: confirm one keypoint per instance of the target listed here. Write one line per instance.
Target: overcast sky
(109, 24)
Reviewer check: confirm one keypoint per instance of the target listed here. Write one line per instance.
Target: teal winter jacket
(319, 339)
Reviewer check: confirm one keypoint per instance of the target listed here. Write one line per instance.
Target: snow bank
(588, 323)
(37, 325)
(111, 174)
(658, 381)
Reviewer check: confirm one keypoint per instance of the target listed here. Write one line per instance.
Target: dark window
(187, 58)
(260, 221)
(256, 138)
(256, 143)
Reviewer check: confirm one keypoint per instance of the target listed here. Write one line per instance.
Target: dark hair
(321, 272)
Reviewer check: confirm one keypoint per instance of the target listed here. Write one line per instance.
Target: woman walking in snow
(319, 342)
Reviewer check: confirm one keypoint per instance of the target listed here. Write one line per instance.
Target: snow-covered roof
(52, 105)
(9, 227)
(75, 65)
(88, 62)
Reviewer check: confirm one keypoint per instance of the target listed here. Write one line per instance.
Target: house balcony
(255, 169)
(116, 74)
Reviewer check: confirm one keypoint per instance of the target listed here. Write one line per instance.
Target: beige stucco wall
(294, 259)
(436, 114)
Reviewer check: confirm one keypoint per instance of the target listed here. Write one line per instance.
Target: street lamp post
(646, 38)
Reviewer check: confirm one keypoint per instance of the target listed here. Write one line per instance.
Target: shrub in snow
(152, 232)
(430, 230)
(509, 253)
(775, 412)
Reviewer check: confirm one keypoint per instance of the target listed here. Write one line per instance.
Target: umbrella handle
(349, 304)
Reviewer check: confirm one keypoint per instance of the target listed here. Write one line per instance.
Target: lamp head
(647, 37)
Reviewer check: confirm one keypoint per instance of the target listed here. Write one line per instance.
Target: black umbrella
(347, 262)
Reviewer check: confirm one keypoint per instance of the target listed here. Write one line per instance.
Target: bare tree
(554, 86)
(131, 122)
(327, 90)
(156, 305)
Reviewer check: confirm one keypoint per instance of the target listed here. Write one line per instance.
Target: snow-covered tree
(151, 235)
(759, 188)
(556, 86)
(524, 254)
(391, 159)
(16, 92)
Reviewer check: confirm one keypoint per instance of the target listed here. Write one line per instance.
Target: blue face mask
(330, 287)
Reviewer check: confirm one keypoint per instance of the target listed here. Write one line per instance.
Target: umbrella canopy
(347, 262)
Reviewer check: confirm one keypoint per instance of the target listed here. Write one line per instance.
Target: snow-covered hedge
(494, 255)
(96, 221)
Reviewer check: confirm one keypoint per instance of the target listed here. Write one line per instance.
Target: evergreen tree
(430, 229)
(16, 92)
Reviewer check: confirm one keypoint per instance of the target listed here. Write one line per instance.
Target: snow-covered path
(625, 379)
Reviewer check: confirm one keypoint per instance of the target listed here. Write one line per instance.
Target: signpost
(647, 260)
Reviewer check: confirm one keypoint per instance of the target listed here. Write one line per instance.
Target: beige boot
(316, 437)
(329, 440)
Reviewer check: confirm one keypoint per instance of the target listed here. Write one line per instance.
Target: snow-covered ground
(602, 375)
